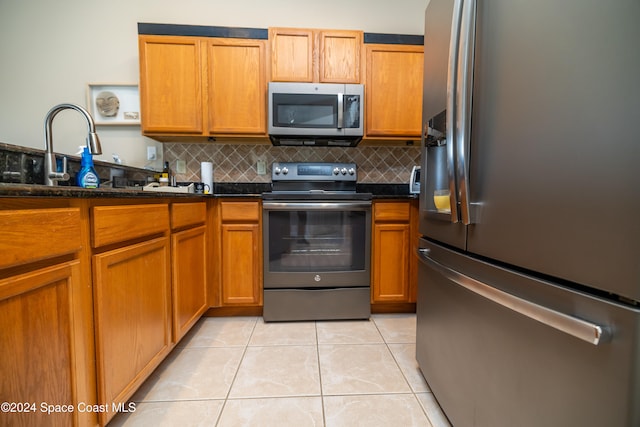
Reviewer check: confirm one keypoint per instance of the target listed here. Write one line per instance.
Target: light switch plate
(181, 166)
(151, 153)
(261, 167)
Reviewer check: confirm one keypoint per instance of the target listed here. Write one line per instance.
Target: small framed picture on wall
(114, 104)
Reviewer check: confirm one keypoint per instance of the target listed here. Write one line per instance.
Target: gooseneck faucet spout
(51, 175)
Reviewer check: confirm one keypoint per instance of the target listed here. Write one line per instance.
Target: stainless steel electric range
(316, 243)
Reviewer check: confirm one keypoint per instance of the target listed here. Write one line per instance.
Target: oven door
(316, 244)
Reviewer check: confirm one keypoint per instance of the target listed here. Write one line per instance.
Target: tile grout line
(235, 375)
(413, 392)
(324, 418)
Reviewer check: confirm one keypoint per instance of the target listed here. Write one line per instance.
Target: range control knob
(336, 171)
(276, 170)
(352, 171)
(343, 171)
(285, 171)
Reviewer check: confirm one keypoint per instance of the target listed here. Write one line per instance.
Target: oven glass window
(315, 241)
(305, 111)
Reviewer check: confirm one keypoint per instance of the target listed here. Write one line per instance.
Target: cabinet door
(132, 317)
(241, 265)
(339, 57)
(236, 86)
(291, 55)
(36, 345)
(393, 90)
(189, 263)
(171, 97)
(391, 263)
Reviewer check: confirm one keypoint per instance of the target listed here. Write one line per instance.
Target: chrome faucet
(51, 175)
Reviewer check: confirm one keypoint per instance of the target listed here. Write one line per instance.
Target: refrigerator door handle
(586, 331)
(464, 104)
(452, 85)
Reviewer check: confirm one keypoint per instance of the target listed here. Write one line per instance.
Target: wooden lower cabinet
(393, 278)
(46, 324)
(391, 263)
(90, 293)
(189, 260)
(240, 253)
(36, 346)
(132, 317)
(240, 272)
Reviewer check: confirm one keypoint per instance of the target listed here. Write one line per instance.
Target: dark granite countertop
(222, 189)
(386, 191)
(36, 190)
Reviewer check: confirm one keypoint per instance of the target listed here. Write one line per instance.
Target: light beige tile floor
(241, 371)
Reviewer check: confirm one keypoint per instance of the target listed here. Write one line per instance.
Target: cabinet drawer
(186, 214)
(36, 234)
(391, 211)
(112, 224)
(240, 211)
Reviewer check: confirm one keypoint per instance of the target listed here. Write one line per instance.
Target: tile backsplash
(237, 162)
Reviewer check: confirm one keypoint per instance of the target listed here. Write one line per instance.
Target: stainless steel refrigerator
(528, 309)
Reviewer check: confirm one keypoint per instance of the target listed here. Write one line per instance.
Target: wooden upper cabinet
(291, 55)
(339, 56)
(236, 86)
(171, 100)
(307, 55)
(202, 86)
(393, 90)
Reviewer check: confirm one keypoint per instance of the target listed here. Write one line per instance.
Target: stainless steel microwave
(316, 113)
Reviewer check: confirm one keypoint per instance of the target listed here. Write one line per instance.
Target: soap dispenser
(87, 177)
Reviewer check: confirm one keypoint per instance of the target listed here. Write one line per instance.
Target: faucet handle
(60, 176)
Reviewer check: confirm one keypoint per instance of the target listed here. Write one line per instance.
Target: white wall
(50, 50)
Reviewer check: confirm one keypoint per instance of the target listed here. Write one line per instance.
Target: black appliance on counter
(317, 243)
(528, 310)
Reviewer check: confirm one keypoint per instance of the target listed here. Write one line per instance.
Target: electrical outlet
(261, 167)
(151, 153)
(181, 166)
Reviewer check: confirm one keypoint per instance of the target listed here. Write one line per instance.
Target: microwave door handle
(464, 103)
(340, 110)
(451, 120)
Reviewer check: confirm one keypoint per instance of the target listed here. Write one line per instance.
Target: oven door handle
(315, 206)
